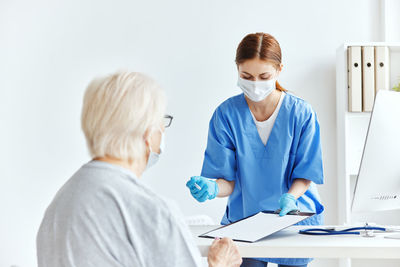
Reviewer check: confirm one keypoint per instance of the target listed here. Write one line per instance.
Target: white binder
(368, 81)
(354, 78)
(382, 68)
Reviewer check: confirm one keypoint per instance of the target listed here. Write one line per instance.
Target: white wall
(49, 50)
(390, 20)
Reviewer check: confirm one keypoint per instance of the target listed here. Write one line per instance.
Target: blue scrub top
(262, 173)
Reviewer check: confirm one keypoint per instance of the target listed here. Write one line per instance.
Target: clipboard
(258, 226)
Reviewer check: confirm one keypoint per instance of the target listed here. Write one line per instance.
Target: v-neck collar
(261, 150)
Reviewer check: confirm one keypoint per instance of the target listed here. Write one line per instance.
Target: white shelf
(364, 115)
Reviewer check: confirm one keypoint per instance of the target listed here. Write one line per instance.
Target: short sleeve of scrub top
(308, 160)
(220, 155)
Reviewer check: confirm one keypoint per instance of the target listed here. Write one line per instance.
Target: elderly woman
(104, 215)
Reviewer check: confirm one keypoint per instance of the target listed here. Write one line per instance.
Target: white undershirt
(264, 128)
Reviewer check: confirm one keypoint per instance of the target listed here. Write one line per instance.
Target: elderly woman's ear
(146, 139)
(152, 139)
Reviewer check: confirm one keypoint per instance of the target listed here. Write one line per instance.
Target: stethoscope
(364, 231)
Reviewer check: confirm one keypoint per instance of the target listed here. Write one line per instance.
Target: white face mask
(153, 156)
(257, 90)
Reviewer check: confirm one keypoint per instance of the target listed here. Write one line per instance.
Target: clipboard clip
(293, 212)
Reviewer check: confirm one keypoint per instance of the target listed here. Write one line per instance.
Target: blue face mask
(153, 156)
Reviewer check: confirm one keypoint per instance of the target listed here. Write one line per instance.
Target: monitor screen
(378, 182)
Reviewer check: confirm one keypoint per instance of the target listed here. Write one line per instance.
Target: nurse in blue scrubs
(263, 148)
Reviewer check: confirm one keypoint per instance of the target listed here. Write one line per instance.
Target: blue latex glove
(205, 189)
(287, 203)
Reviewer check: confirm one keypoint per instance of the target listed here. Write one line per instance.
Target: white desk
(289, 244)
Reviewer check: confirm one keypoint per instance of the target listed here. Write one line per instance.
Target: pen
(197, 186)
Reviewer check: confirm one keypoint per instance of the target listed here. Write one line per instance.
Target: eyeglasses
(167, 120)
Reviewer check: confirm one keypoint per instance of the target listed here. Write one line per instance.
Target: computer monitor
(378, 181)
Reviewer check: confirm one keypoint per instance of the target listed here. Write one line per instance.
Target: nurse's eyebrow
(265, 73)
(247, 73)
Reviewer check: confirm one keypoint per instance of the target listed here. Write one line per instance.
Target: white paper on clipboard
(256, 227)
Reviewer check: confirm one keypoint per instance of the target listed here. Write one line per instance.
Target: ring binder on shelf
(368, 80)
(354, 78)
(382, 68)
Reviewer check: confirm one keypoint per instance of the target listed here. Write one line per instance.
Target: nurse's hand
(224, 253)
(202, 188)
(287, 204)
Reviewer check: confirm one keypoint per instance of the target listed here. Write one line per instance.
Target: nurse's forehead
(256, 67)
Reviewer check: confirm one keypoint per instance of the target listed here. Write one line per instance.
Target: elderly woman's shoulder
(119, 183)
(100, 186)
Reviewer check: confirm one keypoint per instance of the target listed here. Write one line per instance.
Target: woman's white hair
(117, 111)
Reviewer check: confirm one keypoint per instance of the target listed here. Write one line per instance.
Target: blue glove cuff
(289, 196)
(216, 190)
(287, 203)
